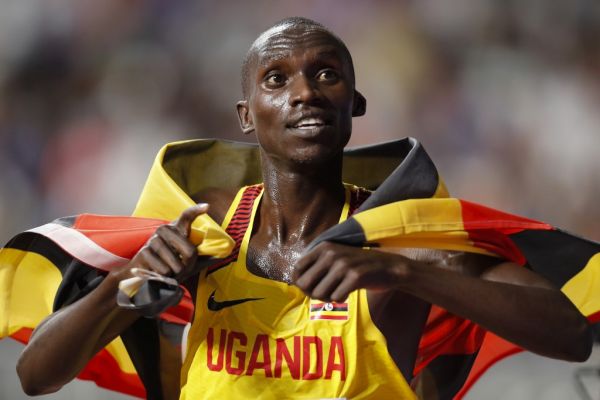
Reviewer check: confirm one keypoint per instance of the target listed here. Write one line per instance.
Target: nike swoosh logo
(214, 305)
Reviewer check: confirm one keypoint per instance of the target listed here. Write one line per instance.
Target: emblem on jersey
(214, 305)
(331, 311)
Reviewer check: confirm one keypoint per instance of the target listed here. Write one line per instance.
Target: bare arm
(503, 297)
(507, 299)
(63, 343)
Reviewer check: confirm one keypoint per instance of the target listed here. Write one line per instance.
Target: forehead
(285, 41)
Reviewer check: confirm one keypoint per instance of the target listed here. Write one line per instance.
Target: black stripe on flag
(554, 254)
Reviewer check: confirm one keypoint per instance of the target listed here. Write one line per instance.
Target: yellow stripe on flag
(583, 288)
(419, 223)
(162, 198)
(28, 284)
(454, 241)
(117, 350)
(441, 191)
(409, 217)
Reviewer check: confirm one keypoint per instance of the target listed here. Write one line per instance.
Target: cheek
(268, 110)
(341, 97)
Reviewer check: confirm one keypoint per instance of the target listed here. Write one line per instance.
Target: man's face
(300, 95)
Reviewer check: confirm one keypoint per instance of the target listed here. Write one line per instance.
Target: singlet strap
(240, 218)
(357, 196)
(238, 223)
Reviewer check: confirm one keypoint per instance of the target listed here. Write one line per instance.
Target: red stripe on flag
(447, 334)
(593, 318)
(105, 372)
(181, 313)
(492, 350)
(489, 229)
(476, 216)
(133, 232)
(22, 335)
(497, 243)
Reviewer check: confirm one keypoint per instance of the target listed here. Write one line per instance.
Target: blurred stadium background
(505, 95)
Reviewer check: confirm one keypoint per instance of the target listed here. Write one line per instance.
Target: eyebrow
(265, 59)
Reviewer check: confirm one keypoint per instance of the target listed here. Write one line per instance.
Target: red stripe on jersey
(336, 317)
(240, 220)
(357, 197)
(238, 225)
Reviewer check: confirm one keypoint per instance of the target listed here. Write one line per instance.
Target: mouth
(310, 123)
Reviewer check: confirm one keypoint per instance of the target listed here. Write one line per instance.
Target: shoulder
(219, 200)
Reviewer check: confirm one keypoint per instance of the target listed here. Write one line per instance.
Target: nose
(304, 91)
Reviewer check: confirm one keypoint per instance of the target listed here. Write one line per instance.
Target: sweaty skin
(297, 72)
(299, 100)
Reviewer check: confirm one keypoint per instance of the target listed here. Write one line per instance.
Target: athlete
(299, 100)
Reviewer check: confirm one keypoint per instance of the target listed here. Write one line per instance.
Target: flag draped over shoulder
(56, 264)
(51, 266)
(569, 262)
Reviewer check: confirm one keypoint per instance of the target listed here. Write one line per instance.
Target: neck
(299, 202)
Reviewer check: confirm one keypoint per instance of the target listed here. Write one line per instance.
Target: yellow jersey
(257, 338)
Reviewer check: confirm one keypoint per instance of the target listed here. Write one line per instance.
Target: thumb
(183, 224)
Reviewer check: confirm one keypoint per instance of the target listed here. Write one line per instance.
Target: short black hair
(290, 23)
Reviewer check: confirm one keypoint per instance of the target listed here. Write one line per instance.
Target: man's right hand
(55, 355)
(169, 251)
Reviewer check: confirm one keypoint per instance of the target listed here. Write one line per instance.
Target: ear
(359, 105)
(244, 116)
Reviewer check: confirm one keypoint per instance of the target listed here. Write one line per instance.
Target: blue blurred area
(504, 94)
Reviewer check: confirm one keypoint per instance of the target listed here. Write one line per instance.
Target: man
(367, 308)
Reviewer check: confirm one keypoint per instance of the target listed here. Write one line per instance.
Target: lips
(310, 121)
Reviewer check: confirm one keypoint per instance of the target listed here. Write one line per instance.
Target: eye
(327, 75)
(274, 79)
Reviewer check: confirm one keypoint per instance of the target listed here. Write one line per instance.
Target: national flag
(328, 311)
(409, 209)
(391, 219)
(48, 267)
(53, 265)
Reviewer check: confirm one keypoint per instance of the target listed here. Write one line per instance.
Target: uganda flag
(49, 267)
(329, 311)
(54, 265)
(569, 262)
(408, 208)
(454, 350)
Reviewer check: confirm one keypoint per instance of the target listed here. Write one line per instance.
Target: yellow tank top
(256, 338)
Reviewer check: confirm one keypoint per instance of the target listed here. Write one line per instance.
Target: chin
(316, 155)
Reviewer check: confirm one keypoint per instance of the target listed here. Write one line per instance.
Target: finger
(311, 276)
(184, 223)
(307, 260)
(348, 285)
(150, 261)
(166, 254)
(327, 285)
(180, 245)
